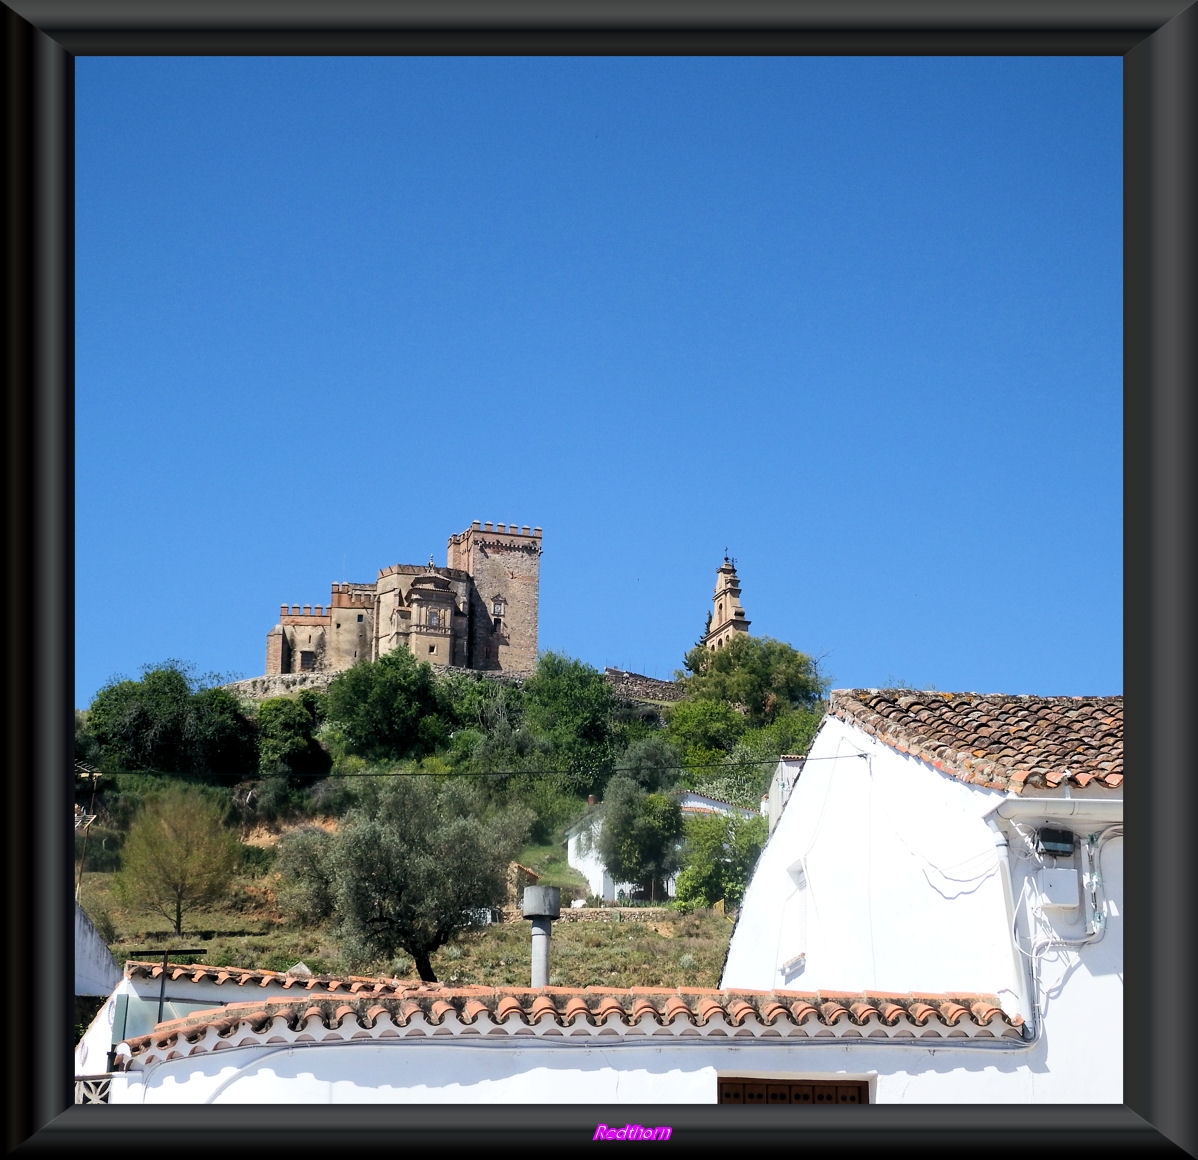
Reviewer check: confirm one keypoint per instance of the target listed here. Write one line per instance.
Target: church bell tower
(727, 616)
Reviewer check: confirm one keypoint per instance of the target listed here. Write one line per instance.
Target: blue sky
(857, 321)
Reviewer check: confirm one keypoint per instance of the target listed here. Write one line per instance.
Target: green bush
(103, 848)
(257, 860)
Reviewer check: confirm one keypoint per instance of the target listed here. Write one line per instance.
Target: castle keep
(478, 612)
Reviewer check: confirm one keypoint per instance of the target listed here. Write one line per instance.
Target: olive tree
(409, 867)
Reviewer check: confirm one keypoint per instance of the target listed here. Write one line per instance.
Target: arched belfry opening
(728, 617)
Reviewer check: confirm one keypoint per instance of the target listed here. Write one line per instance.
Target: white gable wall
(884, 875)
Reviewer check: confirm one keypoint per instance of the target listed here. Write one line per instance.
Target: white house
(582, 841)
(378, 1041)
(938, 843)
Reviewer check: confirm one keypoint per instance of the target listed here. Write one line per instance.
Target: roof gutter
(1102, 810)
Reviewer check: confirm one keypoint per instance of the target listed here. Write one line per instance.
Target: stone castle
(478, 612)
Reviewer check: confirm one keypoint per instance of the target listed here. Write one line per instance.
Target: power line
(734, 764)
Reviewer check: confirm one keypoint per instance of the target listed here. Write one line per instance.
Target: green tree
(408, 868)
(653, 763)
(303, 864)
(641, 836)
(287, 738)
(719, 855)
(761, 676)
(743, 775)
(572, 706)
(218, 735)
(171, 722)
(387, 709)
(178, 854)
(705, 732)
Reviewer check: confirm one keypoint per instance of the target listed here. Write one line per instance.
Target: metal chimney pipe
(542, 904)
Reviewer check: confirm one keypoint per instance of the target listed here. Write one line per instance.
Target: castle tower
(727, 616)
(504, 561)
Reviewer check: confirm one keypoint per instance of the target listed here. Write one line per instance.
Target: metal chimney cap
(542, 902)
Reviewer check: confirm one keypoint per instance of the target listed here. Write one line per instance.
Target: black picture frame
(1158, 41)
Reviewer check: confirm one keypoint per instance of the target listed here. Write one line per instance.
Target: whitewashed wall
(453, 1073)
(96, 972)
(582, 855)
(884, 875)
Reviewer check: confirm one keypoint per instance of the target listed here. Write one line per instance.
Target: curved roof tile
(1009, 743)
(572, 1016)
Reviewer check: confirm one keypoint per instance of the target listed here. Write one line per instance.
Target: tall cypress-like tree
(641, 837)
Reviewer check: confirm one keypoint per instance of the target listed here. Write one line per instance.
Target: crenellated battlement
(304, 614)
(517, 531)
(352, 596)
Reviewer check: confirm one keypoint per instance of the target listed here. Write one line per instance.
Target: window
(733, 1090)
(307, 661)
(498, 624)
(359, 618)
(434, 619)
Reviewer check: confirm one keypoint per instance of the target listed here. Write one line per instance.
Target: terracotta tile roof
(1002, 742)
(431, 1010)
(249, 977)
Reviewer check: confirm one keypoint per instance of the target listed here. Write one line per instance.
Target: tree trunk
(424, 966)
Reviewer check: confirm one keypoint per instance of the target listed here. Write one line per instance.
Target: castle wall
(504, 562)
(278, 652)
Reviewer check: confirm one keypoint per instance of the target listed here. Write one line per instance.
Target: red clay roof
(590, 1013)
(1002, 742)
(253, 977)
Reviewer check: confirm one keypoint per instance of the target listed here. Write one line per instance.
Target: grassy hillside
(618, 948)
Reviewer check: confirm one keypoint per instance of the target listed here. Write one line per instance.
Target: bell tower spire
(727, 617)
